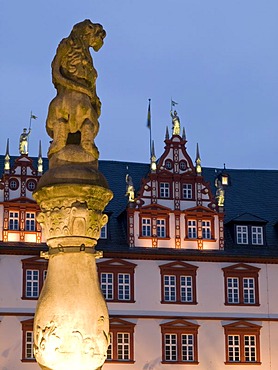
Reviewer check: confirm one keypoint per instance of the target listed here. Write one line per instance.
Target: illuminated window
(192, 229)
(117, 280)
(164, 188)
(146, 227)
(241, 285)
(34, 274)
(121, 347)
(179, 342)
(27, 341)
(13, 220)
(242, 343)
(206, 229)
(30, 221)
(187, 191)
(178, 281)
(161, 228)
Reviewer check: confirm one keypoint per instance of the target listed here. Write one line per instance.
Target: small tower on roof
(40, 160)
(198, 161)
(153, 158)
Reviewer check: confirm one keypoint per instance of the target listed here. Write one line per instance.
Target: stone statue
(23, 141)
(175, 123)
(71, 324)
(129, 188)
(220, 193)
(73, 114)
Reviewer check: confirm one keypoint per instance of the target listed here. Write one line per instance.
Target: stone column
(71, 324)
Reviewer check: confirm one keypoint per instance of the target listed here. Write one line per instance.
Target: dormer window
(30, 221)
(103, 232)
(187, 191)
(13, 184)
(246, 234)
(183, 165)
(206, 229)
(146, 227)
(164, 190)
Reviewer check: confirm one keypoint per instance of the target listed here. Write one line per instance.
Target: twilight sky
(218, 59)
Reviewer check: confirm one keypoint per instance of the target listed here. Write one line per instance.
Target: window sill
(151, 237)
(30, 298)
(203, 239)
(178, 302)
(28, 360)
(180, 362)
(243, 363)
(122, 362)
(120, 301)
(242, 304)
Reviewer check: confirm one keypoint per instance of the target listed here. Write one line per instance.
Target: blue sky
(218, 59)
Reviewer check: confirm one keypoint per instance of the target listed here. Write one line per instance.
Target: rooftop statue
(23, 141)
(175, 123)
(73, 114)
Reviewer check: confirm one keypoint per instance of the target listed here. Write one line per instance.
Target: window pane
(170, 288)
(29, 344)
(250, 348)
(249, 290)
(124, 287)
(186, 288)
(192, 229)
(164, 190)
(242, 234)
(161, 228)
(187, 191)
(170, 341)
(233, 348)
(14, 221)
(123, 343)
(146, 227)
(233, 290)
(106, 281)
(32, 283)
(30, 222)
(206, 230)
(187, 347)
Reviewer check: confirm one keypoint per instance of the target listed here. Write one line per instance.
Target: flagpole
(150, 130)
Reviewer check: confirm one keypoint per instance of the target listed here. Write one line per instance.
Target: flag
(149, 115)
(173, 103)
(33, 116)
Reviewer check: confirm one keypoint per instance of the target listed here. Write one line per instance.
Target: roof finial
(198, 161)
(183, 134)
(153, 158)
(167, 133)
(7, 158)
(40, 160)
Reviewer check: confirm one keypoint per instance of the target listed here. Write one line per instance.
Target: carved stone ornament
(71, 215)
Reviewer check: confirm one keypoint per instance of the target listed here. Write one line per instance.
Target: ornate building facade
(189, 263)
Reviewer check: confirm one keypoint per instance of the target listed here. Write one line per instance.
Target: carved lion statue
(73, 114)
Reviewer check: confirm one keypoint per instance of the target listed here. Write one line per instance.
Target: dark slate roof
(251, 197)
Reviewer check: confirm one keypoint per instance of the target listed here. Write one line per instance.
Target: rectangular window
(186, 289)
(32, 283)
(187, 191)
(161, 228)
(206, 230)
(187, 347)
(233, 290)
(192, 229)
(14, 221)
(124, 287)
(164, 190)
(110, 348)
(257, 235)
(103, 232)
(249, 290)
(170, 288)
(233, 348)
(29, 354)
(179, 342)
(242, 234)
(123, 344)
(170, 341)
(106, 281)
(146, 227)
(30, 221)
(250, 348)
(241, 285)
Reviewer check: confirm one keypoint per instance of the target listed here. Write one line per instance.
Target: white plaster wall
(11, 275)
